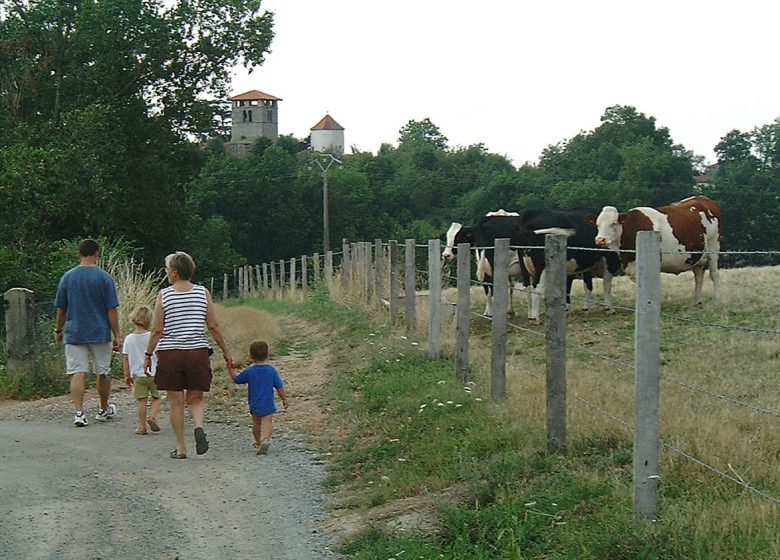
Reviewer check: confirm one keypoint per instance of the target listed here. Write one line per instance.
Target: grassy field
(474, 476)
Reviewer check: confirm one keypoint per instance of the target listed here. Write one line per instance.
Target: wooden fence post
(293, 282)
(20, 332)
(367, 268)
(499, 323)
(393, 308)
(304, 279)
(316, 266)
(265, 280)
(379, 272)
(555, 321)
(464, 312)
(647, 333)
(273, 280)
(225, 287)
(346, 266)
(434, 297)
(282, 279)
(410, 279)
(329, 271)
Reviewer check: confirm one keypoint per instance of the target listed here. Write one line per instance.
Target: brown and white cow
(690, 237)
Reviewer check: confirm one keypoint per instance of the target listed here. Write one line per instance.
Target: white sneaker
(106, 414)
(80, 420)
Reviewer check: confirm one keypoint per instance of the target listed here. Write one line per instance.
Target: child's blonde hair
(141, 316)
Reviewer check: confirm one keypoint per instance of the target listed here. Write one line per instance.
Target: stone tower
(255, 114)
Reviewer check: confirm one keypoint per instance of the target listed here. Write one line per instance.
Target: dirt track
(102, 492)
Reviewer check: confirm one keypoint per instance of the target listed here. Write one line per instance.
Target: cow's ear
(590, 219)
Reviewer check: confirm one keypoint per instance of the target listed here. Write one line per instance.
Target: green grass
(408, 429)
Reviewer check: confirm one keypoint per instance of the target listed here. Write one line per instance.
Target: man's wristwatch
(57, 331)
(148, 354)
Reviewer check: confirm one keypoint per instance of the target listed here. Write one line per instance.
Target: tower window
(244, 116)
(250, 115)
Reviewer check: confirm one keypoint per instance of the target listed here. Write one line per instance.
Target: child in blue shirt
(262, 379)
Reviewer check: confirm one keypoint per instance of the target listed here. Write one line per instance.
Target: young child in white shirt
(134, 349)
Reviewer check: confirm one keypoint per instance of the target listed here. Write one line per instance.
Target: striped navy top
(184, 319)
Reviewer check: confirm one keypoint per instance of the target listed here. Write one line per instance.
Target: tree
(423, 131)
(98, 102)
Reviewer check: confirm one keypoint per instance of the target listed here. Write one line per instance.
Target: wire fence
(357, 271)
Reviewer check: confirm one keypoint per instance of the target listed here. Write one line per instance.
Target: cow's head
(456, 234)
(609, 224)
(450, 250)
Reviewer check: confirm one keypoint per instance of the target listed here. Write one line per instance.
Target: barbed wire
(725, 475)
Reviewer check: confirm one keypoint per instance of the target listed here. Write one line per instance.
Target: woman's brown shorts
(178, 370)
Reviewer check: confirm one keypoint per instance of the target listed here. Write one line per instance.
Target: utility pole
(329, 160)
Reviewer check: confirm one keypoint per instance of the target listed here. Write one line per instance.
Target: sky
(520, 75)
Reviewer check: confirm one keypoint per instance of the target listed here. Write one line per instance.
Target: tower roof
(253, 95)
(327, 123)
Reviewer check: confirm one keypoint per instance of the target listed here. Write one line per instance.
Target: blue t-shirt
(262, 380)
(86, 293)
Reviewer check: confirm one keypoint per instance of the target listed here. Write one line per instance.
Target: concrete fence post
(225, 287)
(499, 324)
(647, 352)
(434, 298)
(555, 333)
(464, 313)
(410, 290)
(20, 331)
(393, 307)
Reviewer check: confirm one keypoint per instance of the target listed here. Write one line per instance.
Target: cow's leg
(488, 287)
(536, 298)
(608, 292)
(698, 276)
(587, 278)
(511, 307)
(569, 283)
(715, 274)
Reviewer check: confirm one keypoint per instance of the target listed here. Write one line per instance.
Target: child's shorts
(145, 387)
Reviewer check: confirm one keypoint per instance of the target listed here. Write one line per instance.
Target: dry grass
(134, 286)
(243, 325)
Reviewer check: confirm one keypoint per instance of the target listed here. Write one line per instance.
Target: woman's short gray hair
(181, 263)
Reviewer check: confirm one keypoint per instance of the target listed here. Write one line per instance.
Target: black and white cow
(585, 262)
(494, 225)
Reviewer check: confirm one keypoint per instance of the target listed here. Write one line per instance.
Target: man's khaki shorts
(79, 356)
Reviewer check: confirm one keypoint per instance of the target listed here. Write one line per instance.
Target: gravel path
(102, 492)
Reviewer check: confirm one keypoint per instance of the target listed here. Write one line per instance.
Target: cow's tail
(568, 232)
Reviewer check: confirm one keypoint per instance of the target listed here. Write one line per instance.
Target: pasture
(720, 400)
(411, 438)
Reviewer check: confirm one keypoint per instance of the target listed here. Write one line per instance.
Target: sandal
(141, 431)
(201, 444)
(176, 455)
(153, 424)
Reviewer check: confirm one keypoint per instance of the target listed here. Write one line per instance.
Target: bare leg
(77, 390)
(256, 432)
(156, 404)
(266, 427)
(104, 390)
(142, 414)
(196, 406)
(176, 414)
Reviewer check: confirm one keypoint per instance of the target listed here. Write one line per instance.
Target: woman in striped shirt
(181, 316)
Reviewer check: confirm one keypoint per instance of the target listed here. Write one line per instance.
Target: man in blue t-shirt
(87, 315)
